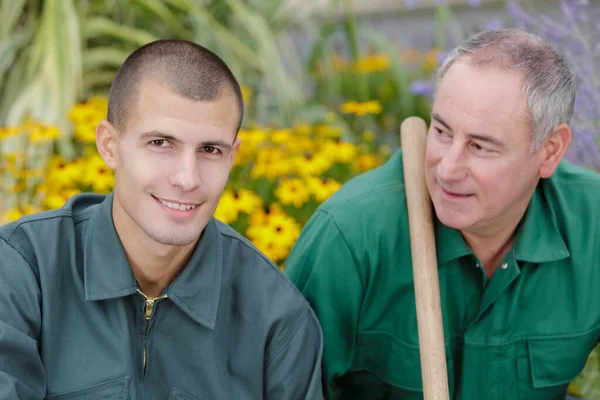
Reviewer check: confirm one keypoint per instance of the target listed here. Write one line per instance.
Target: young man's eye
(209, 150)
(159, 142)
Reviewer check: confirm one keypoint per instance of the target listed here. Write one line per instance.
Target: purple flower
(581, 50)
(493, 24)
(422, 88)
(410, 3)
(474, 3)
(441, 57)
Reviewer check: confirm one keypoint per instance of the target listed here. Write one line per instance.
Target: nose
(186, 175)
(452, 166)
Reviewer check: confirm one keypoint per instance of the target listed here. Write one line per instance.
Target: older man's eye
(479, 148)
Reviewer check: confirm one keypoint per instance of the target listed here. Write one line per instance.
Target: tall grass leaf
(160, 10)
(102, 27)
(97, 57)
(10, 13)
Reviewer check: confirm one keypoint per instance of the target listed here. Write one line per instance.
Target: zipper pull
(149, 308)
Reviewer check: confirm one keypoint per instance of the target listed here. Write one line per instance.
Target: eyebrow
(162, 135)
(477, 136)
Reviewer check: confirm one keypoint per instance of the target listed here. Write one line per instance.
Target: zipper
(148, 310)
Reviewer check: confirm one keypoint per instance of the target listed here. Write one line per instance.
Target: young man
(518, 244)
(142, 294)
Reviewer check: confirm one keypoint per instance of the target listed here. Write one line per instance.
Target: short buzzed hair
(188, 69)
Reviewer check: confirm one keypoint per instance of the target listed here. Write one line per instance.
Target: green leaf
(95, 27)
(160, 10)
(98, 57)
(10, 12)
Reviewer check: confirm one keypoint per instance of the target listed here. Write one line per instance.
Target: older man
(516, 228)
(142, 294)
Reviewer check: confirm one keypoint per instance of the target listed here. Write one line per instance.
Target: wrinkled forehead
(488, 100)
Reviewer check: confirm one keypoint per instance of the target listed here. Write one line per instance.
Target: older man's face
(480, 173)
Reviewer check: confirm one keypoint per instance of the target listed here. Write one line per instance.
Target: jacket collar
(107, 273)
(538, 238)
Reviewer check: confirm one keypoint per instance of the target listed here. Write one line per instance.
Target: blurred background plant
(325, 93)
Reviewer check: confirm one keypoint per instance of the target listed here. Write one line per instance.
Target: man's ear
(106, 143)
(234, 149)
(554, 150)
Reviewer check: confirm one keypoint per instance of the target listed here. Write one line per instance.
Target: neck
(154, 265)
(491, 250)
(492, 244)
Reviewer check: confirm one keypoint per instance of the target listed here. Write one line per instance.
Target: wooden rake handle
(413, 132)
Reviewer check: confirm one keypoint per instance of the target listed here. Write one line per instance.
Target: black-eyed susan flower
(292, 191)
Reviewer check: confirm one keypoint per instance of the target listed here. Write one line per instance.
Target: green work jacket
(523, 334)
(74, 326)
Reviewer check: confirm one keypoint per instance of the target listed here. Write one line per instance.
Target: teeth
(175, 206)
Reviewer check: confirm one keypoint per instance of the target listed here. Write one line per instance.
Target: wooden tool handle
(413, 132)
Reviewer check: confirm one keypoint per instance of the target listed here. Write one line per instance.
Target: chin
(453, 219)
(176, 240)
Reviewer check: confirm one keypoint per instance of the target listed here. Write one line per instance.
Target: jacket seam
(284, 345)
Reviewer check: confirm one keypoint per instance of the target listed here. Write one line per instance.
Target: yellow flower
(349, 107)
(292, 191)
(284, 230)
(12, 215)
(251, 139)
(270, 248)
(41, 133)
(63, 173)
(303, 129)
(327, 131)
(89, 113)
(361, 108)
(261, 216)
(97, 174)
(85, 132)
(281, 136)
(300, 144)
(29, 209)
(322, 189)
(430, 63)
(7, 132)
(274, 235)
(247, 201)
(312, 164)
(271, 162)
(227, 210)
(366, 162)
(246, 94)
(373, 63)
(370, 107)
(57, 199)
(342, 152)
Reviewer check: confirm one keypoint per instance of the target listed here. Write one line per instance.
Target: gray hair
(550, 84)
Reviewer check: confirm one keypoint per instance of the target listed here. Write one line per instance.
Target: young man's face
(480, 172)
(172, 163)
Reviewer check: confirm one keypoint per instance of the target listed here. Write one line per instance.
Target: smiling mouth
(448, 193)
(176, 206)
